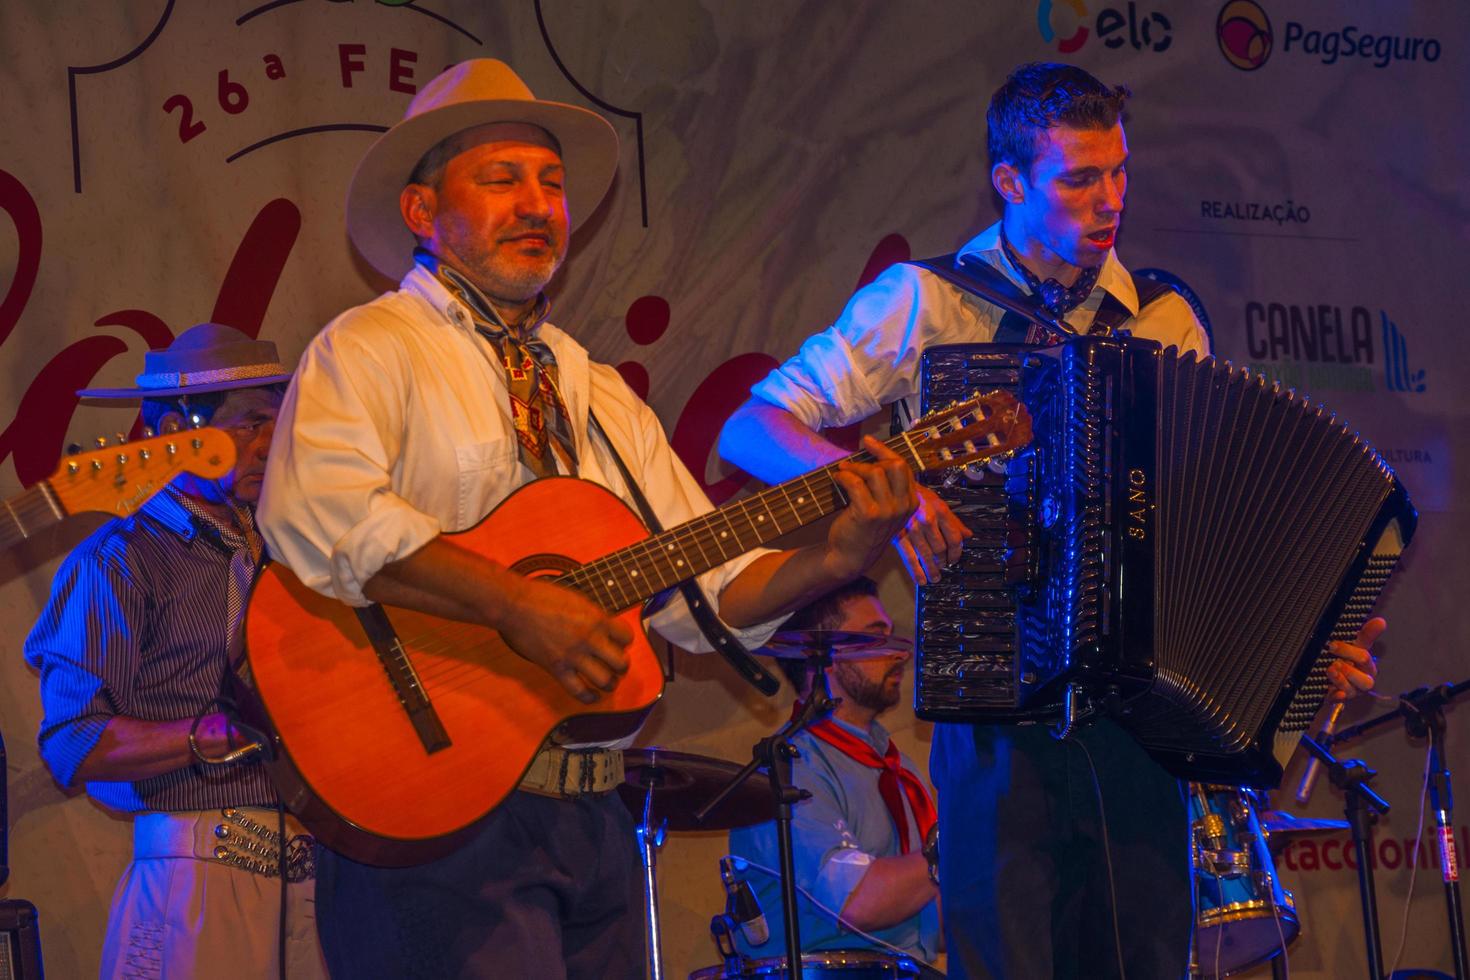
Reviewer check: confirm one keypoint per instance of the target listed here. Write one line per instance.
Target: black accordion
(1174, 549)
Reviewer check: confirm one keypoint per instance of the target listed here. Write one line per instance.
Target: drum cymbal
(1281, 822)
(683, 783)
(844, 644)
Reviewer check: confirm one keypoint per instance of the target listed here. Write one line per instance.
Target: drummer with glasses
(859, 840)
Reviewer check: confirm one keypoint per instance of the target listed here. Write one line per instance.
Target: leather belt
(570, 773)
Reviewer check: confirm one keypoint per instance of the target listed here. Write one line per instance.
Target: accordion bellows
(1176, 547)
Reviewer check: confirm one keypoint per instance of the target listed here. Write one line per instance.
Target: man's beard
(866, 693)
(505, 279)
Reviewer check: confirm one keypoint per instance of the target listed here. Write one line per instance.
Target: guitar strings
(817, 497)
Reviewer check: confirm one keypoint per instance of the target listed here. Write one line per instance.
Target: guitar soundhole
(544, 566)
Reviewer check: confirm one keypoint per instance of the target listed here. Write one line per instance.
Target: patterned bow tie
(1059, 300)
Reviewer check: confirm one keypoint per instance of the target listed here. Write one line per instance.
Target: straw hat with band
(472, 93)
(206, 357)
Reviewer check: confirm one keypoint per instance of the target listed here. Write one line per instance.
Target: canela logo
(1244, 33)
(1321, 347)
(1140, 30)
(1397, 374)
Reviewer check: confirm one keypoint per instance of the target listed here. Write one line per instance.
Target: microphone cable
(1414, 865)
(1107, 857)
(836, 917)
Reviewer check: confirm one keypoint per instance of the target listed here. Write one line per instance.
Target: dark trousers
(1023, 868)
(545, 888)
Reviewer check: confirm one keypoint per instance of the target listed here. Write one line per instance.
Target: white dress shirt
(870, 356)
(397, 427)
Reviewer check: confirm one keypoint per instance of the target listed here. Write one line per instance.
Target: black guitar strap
(709, 624)
(1026, 321)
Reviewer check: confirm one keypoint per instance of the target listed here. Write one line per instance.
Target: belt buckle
(588, 773)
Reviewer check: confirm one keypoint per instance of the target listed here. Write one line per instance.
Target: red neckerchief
(892, 777)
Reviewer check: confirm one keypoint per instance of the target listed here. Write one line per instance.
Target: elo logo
(1114, 27)
(1244, 33)
(1072, 42)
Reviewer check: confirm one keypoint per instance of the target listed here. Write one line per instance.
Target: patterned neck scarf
(1059, 300)
(541, 422)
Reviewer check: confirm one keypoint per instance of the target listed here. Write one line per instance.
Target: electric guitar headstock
(118, 479)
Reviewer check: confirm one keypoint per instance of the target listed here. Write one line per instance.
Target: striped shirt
(137, 625)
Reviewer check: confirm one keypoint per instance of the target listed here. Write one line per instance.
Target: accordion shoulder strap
(1025, 320)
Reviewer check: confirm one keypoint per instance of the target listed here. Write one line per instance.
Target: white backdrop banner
(1298, 171)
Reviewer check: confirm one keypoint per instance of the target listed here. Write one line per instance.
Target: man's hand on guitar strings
(569, 637)
(881, 497)
(1355, 669)
(931, 539)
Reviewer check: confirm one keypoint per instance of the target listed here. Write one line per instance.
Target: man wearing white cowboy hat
(133, 650)
(416, 414)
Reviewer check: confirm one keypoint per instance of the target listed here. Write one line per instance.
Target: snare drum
(832, 964)
(1245, 917)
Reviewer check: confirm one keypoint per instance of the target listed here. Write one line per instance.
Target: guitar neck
(27, 513)
(634, 574)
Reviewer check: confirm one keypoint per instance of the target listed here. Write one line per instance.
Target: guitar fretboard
(27, 513)
(627, 577)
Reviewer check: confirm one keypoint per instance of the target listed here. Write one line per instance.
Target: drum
(1245, 917)
(832, 964)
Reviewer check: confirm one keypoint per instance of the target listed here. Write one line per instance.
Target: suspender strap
(709, 624)
(1025, 320)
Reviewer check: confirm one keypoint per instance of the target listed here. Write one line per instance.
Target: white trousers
(180, 913)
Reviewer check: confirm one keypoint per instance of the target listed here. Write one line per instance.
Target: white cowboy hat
(471, 93)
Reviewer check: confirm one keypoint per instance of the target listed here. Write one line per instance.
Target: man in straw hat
(133, 653)
(416, 414)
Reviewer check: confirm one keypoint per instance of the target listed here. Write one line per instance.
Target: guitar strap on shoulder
(1026, 321)
(718, 635)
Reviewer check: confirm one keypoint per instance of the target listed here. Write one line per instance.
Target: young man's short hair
(1040, 95)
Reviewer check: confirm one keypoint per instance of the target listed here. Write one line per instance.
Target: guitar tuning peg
(101, 442)
(121, 438)
(148, 432)
(196, 421)
(73, 449)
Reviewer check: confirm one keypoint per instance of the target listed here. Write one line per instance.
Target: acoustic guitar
(115, 479)
(391, 732)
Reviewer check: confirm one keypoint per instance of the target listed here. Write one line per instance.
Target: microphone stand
(1363, 804)
(650, 839)
(774, 754)
(1422, 711)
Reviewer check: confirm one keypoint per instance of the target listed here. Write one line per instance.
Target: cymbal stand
(1352, 776)
(650, 840)
(774, 754)
(1423, 713)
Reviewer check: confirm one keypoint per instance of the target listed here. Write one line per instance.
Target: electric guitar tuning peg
(121, 438)
(101, 442)
(72, 449)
